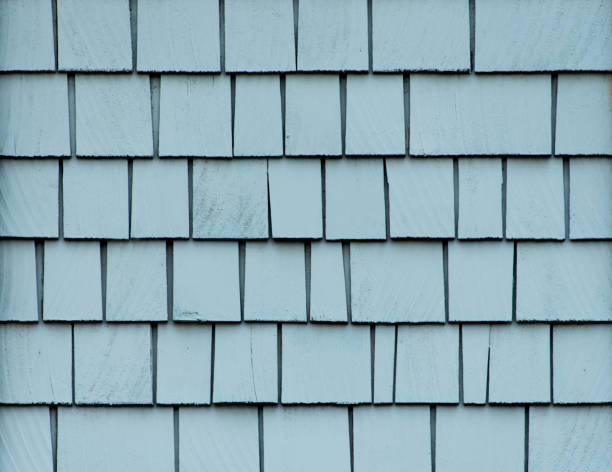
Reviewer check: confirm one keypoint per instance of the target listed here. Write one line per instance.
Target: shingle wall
(289, 235)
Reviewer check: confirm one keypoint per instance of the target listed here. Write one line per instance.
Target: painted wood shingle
(384, 363)
(25, 439)
(327, 283)
(18, 291)
(475, 362)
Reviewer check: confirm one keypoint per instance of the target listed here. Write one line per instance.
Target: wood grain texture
(519, 368)
(34, 115)
(312, 115)
(136, 281)
(206, 281)
(275, 282)
(327, 285)
(18, 296)
(25, 439)
(222, 209)
(95, 199)
(480, 114)
(195, 116)
(258, 118)
(94, 36)
(384, 363)
(218, 438)
(590, 197)
(397, 281)
(295, 198)
(341, 24)
(475, 351)
(431, 35)
(35, 363)
(112, 364)
(421, 198)
(72, 281)
(391, 438)
(306, 438)
(178, 36)
(102, 439)
(568, 282)
(354, 199)
(375, 115)
(535, 199)
(245, 364)
(113, 115)
(427, 364)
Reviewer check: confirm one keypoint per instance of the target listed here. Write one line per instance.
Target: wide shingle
(94, 36)
(326, 364)
(590, 198)
(375, 115)
(539, 35)
(222, 209)
(102, 439)
(327, 284)
(427, 364)
(195, 116)
(95, 198)
(306, 438)
(72, 281)
(397, 282)
(34, 115)
(570, 438)
(480, 114)
(178, 36)
(475, 362)
(259, 36)
(136, 281)
(480, 198)
(333, 35)
(421, 198)
(18, 294)
(218, 438)
(384, 363)
(568, 282)
(275, 282)
(421, 35)
(160, 199)
(25, 439)
(112, 364)
(183, 364)
(582, 362)
(245, 369)
(29, 198)
(391, 438)
(519, 369)
(113, 115)
(295, 198)
(480, 280)
(27, 35)
(480, 439)
(535, 199)
(206, 281)
(354, 199)
(312, 116)
(584, 121)
(36, 363)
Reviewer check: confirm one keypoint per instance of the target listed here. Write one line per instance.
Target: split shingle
(18, 294)
(25, 439)
(475, 357)
(327, 285)
(384, 363)
(590, 196)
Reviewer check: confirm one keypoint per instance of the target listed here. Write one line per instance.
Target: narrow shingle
(18, 297)
(475, 356)
(384, 363)
(327, 286)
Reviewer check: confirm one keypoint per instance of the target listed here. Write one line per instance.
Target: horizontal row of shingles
(262, 36)
(390, 438)
(448, 115)
(96, 198)
(341, 364)
(393, 282)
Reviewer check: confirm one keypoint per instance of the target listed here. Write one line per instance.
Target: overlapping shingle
(327, 283)
(384, 363)
(18, 291)
(475, 362)
(25, 439)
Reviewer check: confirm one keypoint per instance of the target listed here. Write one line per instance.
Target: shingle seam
(406, 84)
(134, 32)
(456, 196)
(279, 361)
(526, 439)
(73, 366)
(372, 359)
(55, 37)
(514, 280)
(103, 275)
(212, 362)
(445, 274)
(370, 38)
(394, 364)
(39, 250)
(153, 349)
(343, 112)
(472, 20)
(155, 86)
(176, 438)
(222, 36)
(551, 371)
(351, 438)
(308, 276)
(170, 278)
(130, 169)
(233, 110)
(260, 437)
(386, 198)
(346, 260)
(323, 203)
(504, 191)
(241, 275)
(432, 438)
(53, 427)
(460, 370)
(190, 195)
(296, 21)
(283, 96)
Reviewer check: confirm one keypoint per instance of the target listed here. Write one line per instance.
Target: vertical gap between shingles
(566, 195)
(175, 412)
(488, 368)
(241, 275)
(103, 276)
(351, 438)
(283, 88)
(472, 6)
(343, 112)
(73, 365)
(554, 82)
(296, 21)
(53, 427)
(222, 36)
(270, 232)
(432, 436)
(372, 359)
(55, 38)
(456, 194)
(60, 213)
(154, 362)
(212, 362)
(445, 271)
(39, 255)
(395, 362)
(461, 364)
(514, 263)
(552, 373)
(346, 259)
(233, 107)
(504, 192)
(170, 278)
(370, 40)
(323, 203)
(386, 197)
(526, 446)
(134, 31)
(72, 114)
(190, 195)
(130, 177)
(260, 434)
(155, 87)
(279, 360)
(406, 80)
(308, 275)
